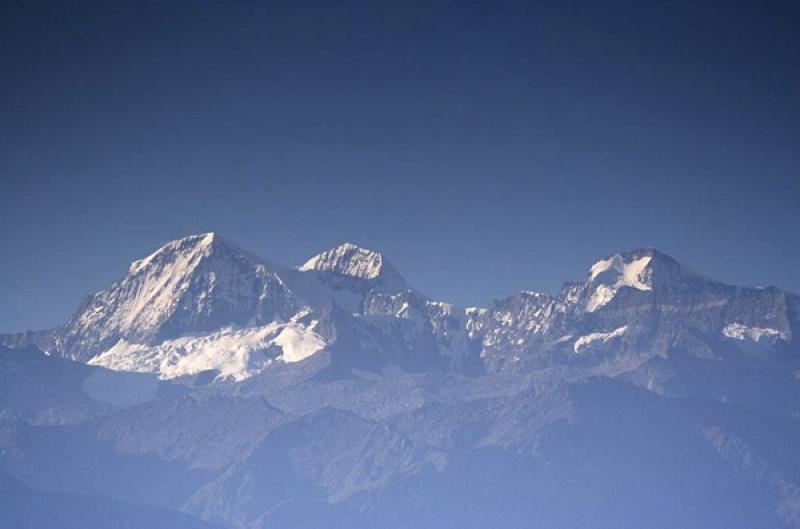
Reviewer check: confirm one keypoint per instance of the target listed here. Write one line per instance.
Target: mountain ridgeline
(239, 393)
(632, 308)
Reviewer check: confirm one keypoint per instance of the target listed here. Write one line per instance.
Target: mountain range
(209, 387)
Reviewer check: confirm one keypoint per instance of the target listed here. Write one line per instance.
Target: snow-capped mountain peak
(643, 269)
(190, 247)
(197, 283)
(623, 270)
(200, 303)
(351, 260)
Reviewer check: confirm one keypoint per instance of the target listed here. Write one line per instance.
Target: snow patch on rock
(594, 337)
(614, 273)
(738, 331)
(297, 343)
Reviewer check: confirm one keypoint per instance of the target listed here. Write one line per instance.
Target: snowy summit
(350, 260)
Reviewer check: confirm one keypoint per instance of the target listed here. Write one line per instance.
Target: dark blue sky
(485, 147)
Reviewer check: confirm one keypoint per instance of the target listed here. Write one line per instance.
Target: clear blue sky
(485, 147)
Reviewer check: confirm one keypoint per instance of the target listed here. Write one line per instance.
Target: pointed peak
(205, 240)
(350, 260)
(642, 269)
(199, 238)
(635, 266)
(631, 265)
(655, 255)
(200, 245)
(346, 246)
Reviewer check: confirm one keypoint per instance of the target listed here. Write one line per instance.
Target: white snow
(447, 309)
(235, 353)
(623, 274)
(151, 290)
(603, 337)
(297, 343)
(403, 311)
(346, 259)
(601, 295)
(738, 331)
(202, 242)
